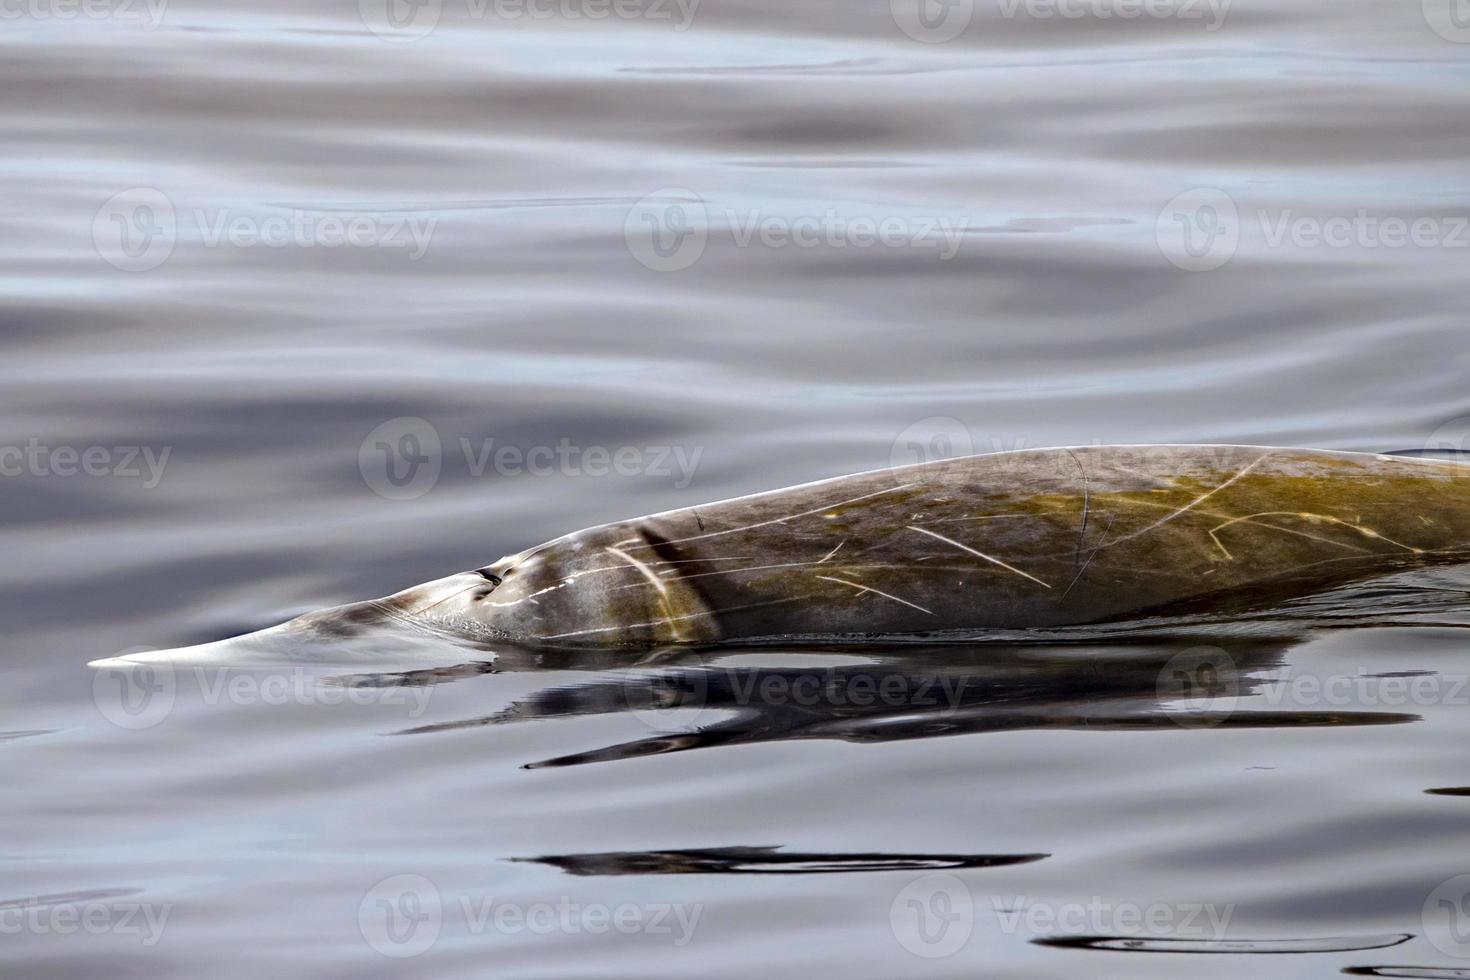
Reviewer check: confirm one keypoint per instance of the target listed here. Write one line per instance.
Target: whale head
(432, 621)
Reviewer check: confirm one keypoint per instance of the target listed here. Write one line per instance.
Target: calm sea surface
(302, 304)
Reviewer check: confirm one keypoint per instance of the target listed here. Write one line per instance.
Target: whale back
(1017, 540)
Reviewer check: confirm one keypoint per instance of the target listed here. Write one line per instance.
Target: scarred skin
(1009, 541)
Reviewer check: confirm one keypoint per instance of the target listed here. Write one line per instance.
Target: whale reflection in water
(1138, 944)
(765, 860)
(703, 699)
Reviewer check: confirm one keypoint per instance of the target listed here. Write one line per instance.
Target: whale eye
(483, 591)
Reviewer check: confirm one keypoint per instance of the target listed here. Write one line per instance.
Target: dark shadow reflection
(1418, 972)
(704, 698)
(1131, 944)
(765, 860)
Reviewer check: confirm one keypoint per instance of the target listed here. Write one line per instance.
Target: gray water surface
(306, 304)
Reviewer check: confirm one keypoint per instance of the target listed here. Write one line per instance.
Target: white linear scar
(778, 520)
(868, 588)
(643, 569)
(1189, 506)
(979, 554)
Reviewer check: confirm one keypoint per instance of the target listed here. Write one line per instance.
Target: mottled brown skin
(1043, 538)
(1030, 540)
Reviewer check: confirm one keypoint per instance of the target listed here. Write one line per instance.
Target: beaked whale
(1014, 541)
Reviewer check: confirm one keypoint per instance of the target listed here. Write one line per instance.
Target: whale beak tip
(141, 659)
